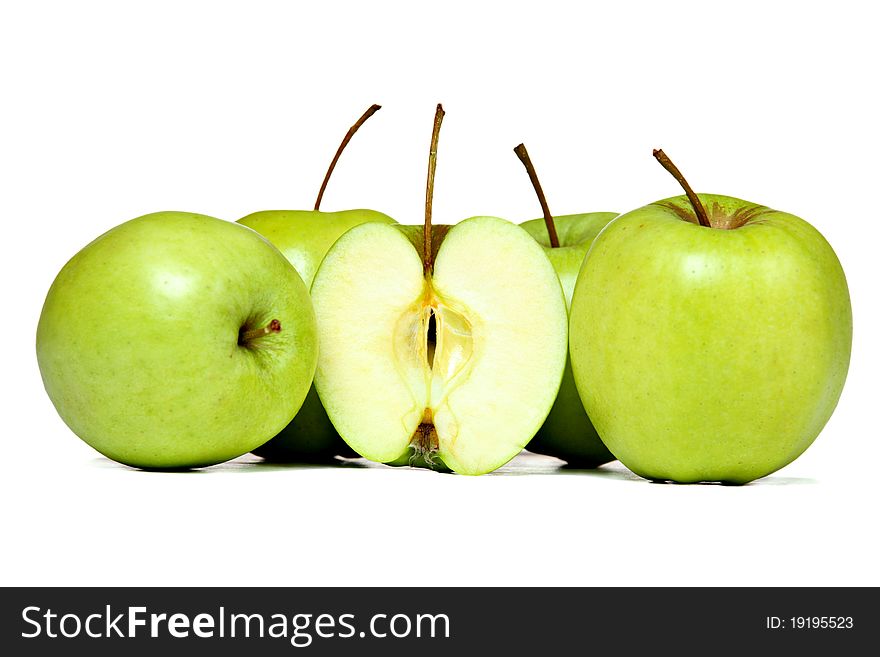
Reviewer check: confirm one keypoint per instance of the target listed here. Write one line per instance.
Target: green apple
(441, 344)
(726, 330)
(177, 340)
(567, 433)
(304, 237)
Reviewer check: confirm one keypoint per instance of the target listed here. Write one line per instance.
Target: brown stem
(348, 135)
(245, 337)
(523, 155)
(429, 191)
(667, 164)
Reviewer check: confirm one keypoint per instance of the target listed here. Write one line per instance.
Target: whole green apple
(304, 237)
(726, 330)
(177, 340)
(567, 433)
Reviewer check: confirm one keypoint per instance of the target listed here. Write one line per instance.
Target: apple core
(433, 345)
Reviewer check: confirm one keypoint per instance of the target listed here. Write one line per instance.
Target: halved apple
(456, 359)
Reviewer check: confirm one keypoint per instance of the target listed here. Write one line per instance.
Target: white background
(111, 110)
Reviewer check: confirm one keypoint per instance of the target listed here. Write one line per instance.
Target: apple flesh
(473, 396)
(724, 349)
(568, 433)
(157, 343)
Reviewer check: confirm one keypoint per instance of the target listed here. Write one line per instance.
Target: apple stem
(429, 190)
(348, 135)
(246, 337)
(523, 155)
(667, 164)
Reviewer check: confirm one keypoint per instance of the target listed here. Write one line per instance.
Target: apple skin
(568, 433)
(138, 341)
(304, 237)
(724, 351)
